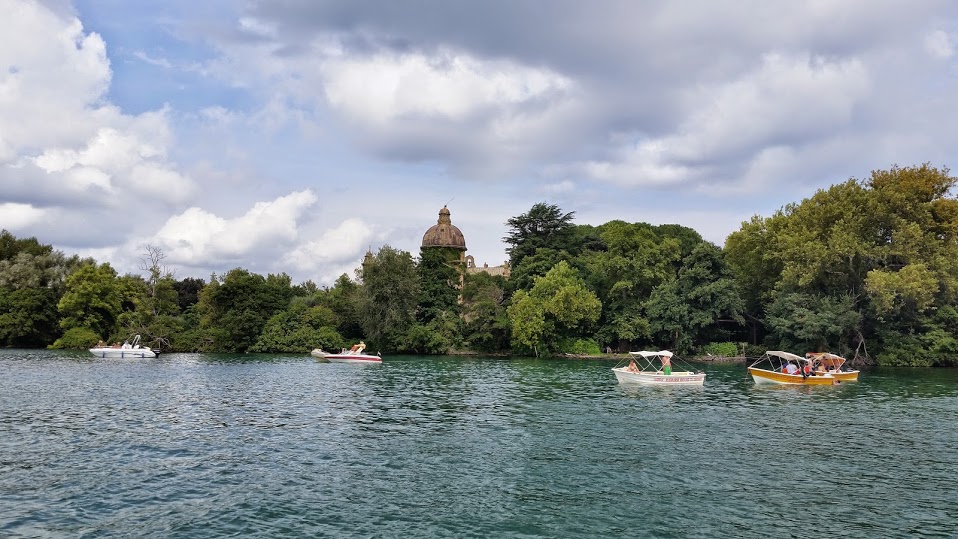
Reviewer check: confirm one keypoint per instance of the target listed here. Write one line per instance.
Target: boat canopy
(647, 354)
(648, 361)
(827, 359)
(785, 355)
(777, 359)
(824, 355)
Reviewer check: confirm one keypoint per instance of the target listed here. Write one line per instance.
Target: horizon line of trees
(865, 268)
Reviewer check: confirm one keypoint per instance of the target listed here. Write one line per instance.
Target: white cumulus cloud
(15, 216)
(197, 236)
(55, 116)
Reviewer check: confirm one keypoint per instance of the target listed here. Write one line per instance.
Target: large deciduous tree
(812, 323)
(299, 329)
(637, 257)
(686, 311)
(486, 324)
(344, 300)
(559, 307)
(389, 293)
(884, 249)
(92, 300)
(32, 280)
(235, 309)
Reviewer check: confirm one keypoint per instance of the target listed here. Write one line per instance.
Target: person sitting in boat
(100, 344)
(358, 348)
(632, 366)
(666, 365)
(791, 368)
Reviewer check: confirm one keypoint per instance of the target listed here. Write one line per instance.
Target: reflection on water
(193, 445)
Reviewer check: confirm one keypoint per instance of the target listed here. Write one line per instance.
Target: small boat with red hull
(353, 355)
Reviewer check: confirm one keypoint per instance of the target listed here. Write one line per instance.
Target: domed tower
(444, 234)
(442, 259)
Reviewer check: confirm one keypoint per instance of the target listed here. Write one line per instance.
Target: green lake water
(199, 445)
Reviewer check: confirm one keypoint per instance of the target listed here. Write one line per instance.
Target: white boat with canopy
(655, 368)
(130, 348)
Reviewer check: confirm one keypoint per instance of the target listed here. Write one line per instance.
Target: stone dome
(444, 233)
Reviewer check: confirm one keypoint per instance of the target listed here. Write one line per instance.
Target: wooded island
(867, 269)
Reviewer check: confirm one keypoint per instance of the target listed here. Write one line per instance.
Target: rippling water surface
(279, 446)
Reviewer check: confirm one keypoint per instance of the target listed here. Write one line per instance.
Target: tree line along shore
(867, 269)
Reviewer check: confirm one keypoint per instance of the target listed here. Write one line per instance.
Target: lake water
(198, 445)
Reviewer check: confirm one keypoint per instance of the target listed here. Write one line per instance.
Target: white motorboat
(130, 348)
(655, 368)
(353, 355)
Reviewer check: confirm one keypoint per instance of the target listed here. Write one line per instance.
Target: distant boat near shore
(129, 349)
(353, 355)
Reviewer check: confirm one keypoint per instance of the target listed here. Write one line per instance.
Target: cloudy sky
(293, 135)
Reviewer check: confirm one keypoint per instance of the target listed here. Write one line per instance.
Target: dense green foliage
(485, 322)
(558, 306)
(32, 281)
(299, 328)
(387, 299)
(866, 268)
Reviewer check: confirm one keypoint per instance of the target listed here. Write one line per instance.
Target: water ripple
(190, 445)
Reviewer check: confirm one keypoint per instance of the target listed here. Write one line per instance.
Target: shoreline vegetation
(866, 269)
(625, 355)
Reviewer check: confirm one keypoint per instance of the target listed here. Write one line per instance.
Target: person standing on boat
(666, 364)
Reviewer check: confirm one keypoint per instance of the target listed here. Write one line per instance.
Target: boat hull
(122, 353)
(337, 358)
(352, 358)
(846, 376)
(767, 377)
(344, 356)
(677, 378)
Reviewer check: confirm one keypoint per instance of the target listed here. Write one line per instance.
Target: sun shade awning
(647, 354)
